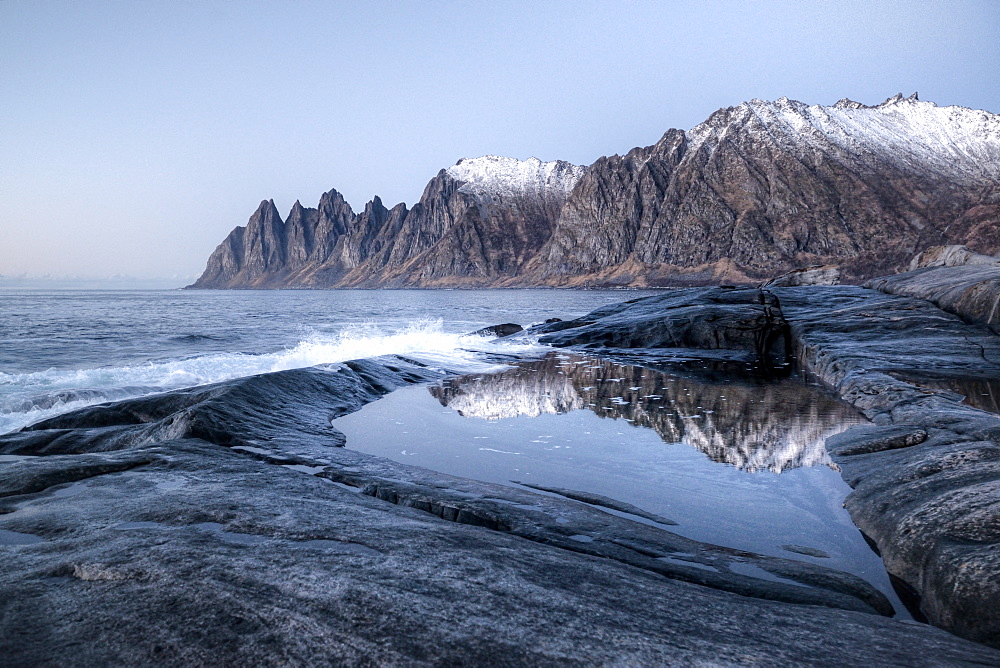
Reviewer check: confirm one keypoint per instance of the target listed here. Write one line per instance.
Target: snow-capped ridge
(906, 132)
(497, 176)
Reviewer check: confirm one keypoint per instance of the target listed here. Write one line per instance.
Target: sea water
(62, 350)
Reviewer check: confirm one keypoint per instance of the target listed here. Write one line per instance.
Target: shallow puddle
(739, 463)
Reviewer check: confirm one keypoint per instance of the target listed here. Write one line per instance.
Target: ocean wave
(26, 398)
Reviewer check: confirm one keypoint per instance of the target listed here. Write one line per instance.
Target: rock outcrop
(745, 321)
(218, 525)
(756, 190)
(926, 478)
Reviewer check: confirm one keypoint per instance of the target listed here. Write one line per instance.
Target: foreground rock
(223, 525)
(926, 479)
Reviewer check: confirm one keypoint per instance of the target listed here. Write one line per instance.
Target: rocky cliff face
(477, 223)
(756, 190)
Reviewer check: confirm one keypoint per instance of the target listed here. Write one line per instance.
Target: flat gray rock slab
(201, 554)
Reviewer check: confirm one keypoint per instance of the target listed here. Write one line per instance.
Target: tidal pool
(740, 463)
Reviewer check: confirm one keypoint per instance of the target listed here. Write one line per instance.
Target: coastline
(256, 545)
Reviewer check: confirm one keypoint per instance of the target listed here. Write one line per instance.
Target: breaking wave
(26, 398)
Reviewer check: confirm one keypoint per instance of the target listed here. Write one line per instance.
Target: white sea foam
(29, 397)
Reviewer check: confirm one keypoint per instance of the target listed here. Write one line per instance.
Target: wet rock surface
(746, 321)
(223, 525)
(504, 329)
(926, 478)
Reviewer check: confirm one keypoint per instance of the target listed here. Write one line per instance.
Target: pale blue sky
(135, 135)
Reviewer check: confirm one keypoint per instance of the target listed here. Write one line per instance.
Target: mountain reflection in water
(754, 426)
(527, 424)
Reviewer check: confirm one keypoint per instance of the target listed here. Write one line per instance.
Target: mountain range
(755, 190)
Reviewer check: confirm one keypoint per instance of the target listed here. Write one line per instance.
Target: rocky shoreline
(926, 477)
(223, 524)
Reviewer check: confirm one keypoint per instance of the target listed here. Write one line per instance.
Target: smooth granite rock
(747, 320)
(222, 525)
(926, 478)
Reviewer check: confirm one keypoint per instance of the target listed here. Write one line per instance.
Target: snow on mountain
(919, 136)
(758, 189)
(496, 177)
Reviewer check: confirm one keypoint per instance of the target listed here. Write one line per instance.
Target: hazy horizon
(135, 136)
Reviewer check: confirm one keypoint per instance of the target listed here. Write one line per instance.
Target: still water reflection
(704, 454)
(754, 426)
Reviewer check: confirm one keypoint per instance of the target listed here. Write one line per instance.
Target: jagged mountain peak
(332, 195)
(905, 132)
(757, 189)
(847, 103)
(266, 211)
(899, 99)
